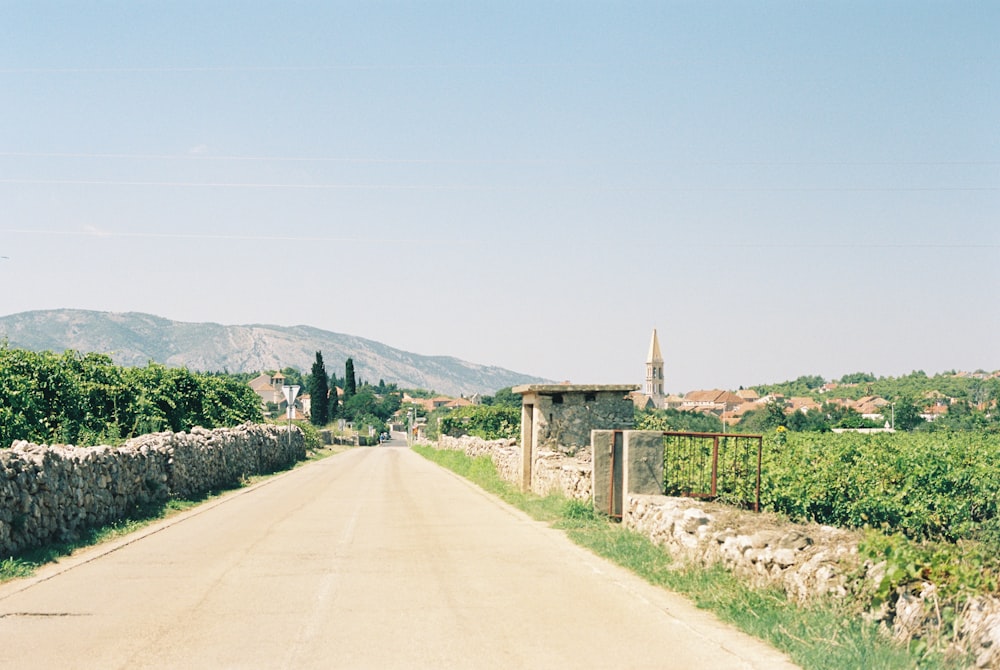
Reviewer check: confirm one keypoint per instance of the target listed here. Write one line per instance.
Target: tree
(813, 420)
(389, 404)
(293, 376)
(350, 383)
(319, 391)
(360, 404)
(675, 420)
(505, 397)
(384, 388)
(765, 419)
(858, 378)
(907, 414)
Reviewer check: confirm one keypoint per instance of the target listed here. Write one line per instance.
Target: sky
(779, 188)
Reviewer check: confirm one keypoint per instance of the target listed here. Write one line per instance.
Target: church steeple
(654, 372)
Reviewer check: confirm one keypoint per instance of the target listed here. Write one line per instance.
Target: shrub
(490, 422)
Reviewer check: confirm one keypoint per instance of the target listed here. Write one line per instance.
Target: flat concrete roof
(549, 389)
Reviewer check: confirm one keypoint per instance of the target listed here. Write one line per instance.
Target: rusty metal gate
(716, 466)
(617, 475)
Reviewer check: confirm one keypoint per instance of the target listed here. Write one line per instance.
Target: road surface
(374, 558)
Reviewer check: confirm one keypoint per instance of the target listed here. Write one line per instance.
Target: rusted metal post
(760, 451)
(715, 466)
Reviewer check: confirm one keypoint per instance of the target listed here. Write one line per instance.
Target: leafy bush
(961, 568)
(927, 486)
(676, 420)
(85, 398)
(490, 422)
(310, 433)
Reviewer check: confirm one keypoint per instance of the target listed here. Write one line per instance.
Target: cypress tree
(350, 383)
(319, 390)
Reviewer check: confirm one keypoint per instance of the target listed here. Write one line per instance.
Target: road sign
(290, 393)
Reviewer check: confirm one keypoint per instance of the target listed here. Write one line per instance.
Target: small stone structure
(51, 493)
(556, 421)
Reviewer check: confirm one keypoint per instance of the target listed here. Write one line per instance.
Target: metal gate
(617, 474)
(717, 466)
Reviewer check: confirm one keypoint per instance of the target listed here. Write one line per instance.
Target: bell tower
(654, 372)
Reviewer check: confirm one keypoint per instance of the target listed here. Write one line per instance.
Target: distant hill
(135, 339)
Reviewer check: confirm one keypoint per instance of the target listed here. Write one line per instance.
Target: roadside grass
(28, 562)
(826, 635)
(483, 473)
(25, 564)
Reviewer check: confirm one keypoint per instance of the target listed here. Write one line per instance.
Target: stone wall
(553, 472)
(505, 454)
(808, 561)
(51, 493)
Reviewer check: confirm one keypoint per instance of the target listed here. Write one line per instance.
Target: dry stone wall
(552, 472)
(51, 493)
(809, 561)
(505, 454)
(806, 561)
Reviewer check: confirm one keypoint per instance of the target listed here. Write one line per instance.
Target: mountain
(135, 339)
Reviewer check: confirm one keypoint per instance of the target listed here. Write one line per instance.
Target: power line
(195, 156)
(344, 67)
(95, 233)
(225, 236)
(469, 187)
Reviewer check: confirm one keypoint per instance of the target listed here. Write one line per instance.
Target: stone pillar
(527, 443)
(602, 446)
(643, 456)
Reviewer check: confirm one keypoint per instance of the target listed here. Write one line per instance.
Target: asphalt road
(374, 558)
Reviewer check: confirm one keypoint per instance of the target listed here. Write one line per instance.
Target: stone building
(558, 418)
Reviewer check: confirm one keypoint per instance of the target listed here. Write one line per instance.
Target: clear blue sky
(781, 188)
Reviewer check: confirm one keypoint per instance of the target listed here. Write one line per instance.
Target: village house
(268, 387)
(641, 400)
(437, 402)
(871, 407)
(803, 405)
(714, 401)
(933, 412)
(735, 415)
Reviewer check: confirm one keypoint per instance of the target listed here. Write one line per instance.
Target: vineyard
(930, 499)
(85, 399)
(927, 486)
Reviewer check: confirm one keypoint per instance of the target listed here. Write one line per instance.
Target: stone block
(643, 454)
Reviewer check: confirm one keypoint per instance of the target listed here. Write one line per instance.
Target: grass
(483, 473)
(27, 563)
(825, 635)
